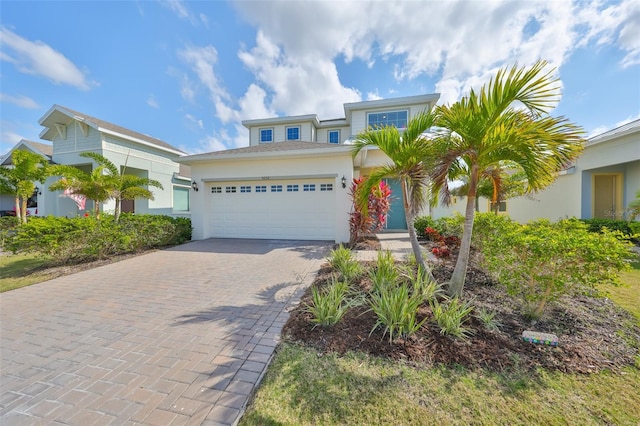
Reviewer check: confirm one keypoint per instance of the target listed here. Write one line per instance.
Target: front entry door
(606, 202)
(396, 218)
(127, 206)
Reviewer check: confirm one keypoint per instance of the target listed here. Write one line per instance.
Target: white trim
(266, 179)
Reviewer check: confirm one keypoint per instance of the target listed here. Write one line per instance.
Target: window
(180, 198)
(293, 133)
(216, 190)
(326, 187)
(309, 187)
(245, 189)
(334, 136)
(276, 188)
(261, 188)
(266, 135)
(230, 189)
(502, 206)
(292, 188)
(396, 119)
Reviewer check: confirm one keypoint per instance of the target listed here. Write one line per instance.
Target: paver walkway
(397, 242)
(178, 336)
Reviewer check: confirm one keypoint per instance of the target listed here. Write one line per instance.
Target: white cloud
(9, 138)
(38, 58)
(20, 100)
(152, 102)
(192, 119)
(181, 11)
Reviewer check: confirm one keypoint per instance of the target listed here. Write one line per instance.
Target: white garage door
(302, 209)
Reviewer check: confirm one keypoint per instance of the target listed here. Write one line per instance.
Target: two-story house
(293, 179)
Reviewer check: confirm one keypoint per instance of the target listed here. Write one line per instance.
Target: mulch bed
(589, 330)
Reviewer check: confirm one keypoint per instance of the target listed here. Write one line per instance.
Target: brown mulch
(589, 331)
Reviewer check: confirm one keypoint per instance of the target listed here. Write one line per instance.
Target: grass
(21, 270)
(303, 387)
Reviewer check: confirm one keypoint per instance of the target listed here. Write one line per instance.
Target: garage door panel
(288, 215)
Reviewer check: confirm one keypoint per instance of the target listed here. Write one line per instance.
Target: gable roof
(625, 129)
(58, 114)
(43, 149)
(286, 148)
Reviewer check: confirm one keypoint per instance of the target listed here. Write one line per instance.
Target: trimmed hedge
(82, 239)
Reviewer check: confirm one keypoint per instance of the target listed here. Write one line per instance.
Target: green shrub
(397, 310)
(423, 285)
(385, 272)
(451, 316)
(343, 261)
(540, 262)
(488, 319)
(450, 225)
(487, 226)
(8, 228)
(80, 239)
(329, 305)
(421, 223)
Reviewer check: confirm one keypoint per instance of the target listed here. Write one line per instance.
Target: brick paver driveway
(179, 336)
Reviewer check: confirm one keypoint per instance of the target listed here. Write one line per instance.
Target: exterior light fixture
(344, 181)
(37, 191)
(194, 186)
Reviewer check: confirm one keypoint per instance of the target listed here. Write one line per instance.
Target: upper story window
(396, 119)
(293, 133)
(334, 136)
(266, 135)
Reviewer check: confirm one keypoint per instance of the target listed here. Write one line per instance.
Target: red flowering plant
(378, 206)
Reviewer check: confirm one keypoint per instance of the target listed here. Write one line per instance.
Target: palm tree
(505, 125)
(410, 156)
(104, 183)
(18, 180)
(131, 187)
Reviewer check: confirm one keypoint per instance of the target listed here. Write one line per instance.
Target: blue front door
(396, 218)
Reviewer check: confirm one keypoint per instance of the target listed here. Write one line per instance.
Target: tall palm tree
(505, 124)
(410, 155)
(131, 187)
(18, 180)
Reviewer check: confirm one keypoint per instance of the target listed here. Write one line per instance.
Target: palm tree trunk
(413, 236)
(18, 210)
(116, 212)
(460, 271)
(23, 211)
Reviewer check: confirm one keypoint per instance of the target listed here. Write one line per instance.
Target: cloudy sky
(188, 72)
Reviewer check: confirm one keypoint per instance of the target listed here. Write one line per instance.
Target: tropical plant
(503, 126)
(451, 316)
(634, 207)
(329, 305)
(374, 219)
(423, 285)
(342, 260)
(18, 180)
(488, 319)
(103, 183)
(411, 156)
(385, 272)
(396, 309)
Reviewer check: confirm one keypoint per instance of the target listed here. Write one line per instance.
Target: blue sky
(188, 72)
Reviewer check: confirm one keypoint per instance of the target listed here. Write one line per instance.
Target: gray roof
(625, 129)
(272, 147)
(105, 125)
(44, 148)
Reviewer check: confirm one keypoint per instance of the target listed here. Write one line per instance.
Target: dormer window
(397, 119)
(293, 133)
(334, 136)
(266, 135)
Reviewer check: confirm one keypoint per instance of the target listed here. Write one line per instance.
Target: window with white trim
(502, 206)
(326, 187)
(180, 198)
(276, 188)
(309, 187)
(397, 119)
(292, 188)
(333, 136)
(261, 188)
(266, 135)
(245, 188)
(216, 190)
(230, 189)
(293, 133)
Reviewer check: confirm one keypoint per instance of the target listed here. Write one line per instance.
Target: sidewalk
(397, 243)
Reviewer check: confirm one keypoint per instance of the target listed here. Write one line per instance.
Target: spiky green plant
(343, 261)
(329, 305)
(424, 285)
(488, 319)
(450, 317)
(385, 272)
(396, 309)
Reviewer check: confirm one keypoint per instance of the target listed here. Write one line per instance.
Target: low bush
(396, 309)
(343, 261)
(385, 272)
(330, 304)
(450, 317)
(8, 226)
(80, 239)
(421, 224)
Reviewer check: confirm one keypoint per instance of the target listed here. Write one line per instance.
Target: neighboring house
(601, 183)
(293, 179)
(8, 202)
(72, 133)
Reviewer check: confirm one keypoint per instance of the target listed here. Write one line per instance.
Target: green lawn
(302, 387)
(21, 270)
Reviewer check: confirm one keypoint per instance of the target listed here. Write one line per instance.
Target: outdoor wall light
(37, 191)
(344, 182)
(194, 185)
